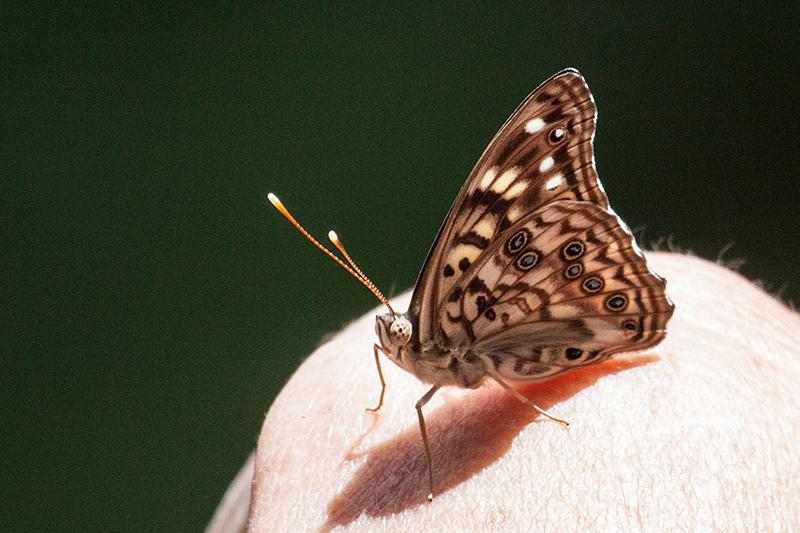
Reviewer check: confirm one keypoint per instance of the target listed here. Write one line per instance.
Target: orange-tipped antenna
(355, 271)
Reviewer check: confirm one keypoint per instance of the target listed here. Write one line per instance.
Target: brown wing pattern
(541, 154)
(564, 287)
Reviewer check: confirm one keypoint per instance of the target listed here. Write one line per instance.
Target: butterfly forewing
(543, 153)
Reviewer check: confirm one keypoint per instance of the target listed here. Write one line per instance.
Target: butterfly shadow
(465, 437)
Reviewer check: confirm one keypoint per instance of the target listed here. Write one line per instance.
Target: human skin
(695, 434)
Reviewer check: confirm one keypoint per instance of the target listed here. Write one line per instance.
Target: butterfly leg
(420, 404)
(523, 399)
(376, 348)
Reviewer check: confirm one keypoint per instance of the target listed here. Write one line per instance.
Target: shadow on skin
(478, 429)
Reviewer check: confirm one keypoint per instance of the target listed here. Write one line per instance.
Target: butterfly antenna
(364, 279)
(355, 271)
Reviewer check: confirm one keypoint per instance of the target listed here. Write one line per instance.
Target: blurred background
(153, 301)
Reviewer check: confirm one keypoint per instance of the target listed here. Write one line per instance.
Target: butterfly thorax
(431, 364)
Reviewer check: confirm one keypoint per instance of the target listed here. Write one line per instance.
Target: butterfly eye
(616, 303)
(557, 135)
(574, 271)
(573, 250)
(593, 284)
(400, 332)
(517, 242)
(573, 353)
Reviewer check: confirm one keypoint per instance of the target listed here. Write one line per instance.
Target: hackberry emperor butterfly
(532, 274)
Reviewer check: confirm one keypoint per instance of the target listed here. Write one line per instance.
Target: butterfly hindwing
(564, 287)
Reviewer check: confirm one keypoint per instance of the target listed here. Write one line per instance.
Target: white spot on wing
(484, 228)
(487, 178)
(554, 182)
(534, 125)
(463, 251)
(546, 165)
(515, 190)
(505, 179)
(514, 214)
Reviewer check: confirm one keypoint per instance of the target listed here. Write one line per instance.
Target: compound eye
(400, 331)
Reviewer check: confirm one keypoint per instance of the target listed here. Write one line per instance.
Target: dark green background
(154, 303)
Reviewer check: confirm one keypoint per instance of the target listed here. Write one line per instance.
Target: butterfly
(532, 274)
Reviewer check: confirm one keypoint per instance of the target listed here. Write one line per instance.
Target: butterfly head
(393, 331)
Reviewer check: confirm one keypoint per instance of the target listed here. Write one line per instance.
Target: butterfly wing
(565, 286)
(541, 154)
